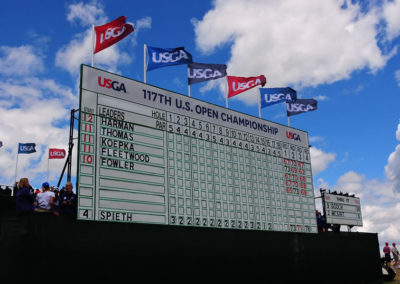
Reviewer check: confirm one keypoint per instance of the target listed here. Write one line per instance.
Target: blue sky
(344, 54)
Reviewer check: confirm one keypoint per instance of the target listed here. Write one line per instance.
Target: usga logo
(112, 32)
(58, 154)
(247, 85)
(108, 83)
(204, 73)
(292, 135)
(300, 107)
(278, 97)
(169, 57)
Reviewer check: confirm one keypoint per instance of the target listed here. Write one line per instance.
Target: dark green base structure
(82, 251)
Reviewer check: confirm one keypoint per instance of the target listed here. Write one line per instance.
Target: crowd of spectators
(47, 200)
(5, 190)
(387, 251)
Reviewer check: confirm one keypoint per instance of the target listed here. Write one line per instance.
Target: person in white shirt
(45, 199)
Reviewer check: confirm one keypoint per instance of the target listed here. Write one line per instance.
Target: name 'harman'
(117, 124)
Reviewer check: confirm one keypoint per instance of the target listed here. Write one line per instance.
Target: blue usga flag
(270, 96)
(200, 72)
(300, 106)
(163, 57)
(26, 148)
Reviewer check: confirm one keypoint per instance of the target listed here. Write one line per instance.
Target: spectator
(395, 254)
(56, 202)
(335, 227)
(386, 251)
(7, 191)
(62, 191)
(24, 198)
(45, 199)
(68, 200)
(320, 222)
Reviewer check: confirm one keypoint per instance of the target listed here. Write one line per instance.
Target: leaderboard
(342, 209)
(148, 155)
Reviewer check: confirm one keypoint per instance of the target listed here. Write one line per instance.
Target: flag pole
(288, 117)
(144, 63)
(226, 92)
(93, 42)
(259, 103)
(16, 167)
(48, 164)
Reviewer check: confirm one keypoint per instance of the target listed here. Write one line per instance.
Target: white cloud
(321, 98)
(323, 42)
(320, 160)
(397, 77)
(354, 90)
(392, 168)
(380, 199)
(313, 139)
(380, 205)
(19, 61)
(351, 182)
(33, 110)
(87, 14)
(141, 24)
(80, 49)
(391, 12)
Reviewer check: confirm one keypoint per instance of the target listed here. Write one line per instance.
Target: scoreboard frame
(150, 155)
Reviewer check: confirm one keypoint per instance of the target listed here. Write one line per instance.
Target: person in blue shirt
(24, 198)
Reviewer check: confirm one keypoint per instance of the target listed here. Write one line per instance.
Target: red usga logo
(58, 154)
(108, 83)
(292, 135)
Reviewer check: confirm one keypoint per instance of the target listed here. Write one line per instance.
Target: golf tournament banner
(150, 155)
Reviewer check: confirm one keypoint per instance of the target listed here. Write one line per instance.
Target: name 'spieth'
(169, 57)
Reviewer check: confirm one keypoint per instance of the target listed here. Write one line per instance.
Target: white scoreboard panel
(342, 210)
(153, 156)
